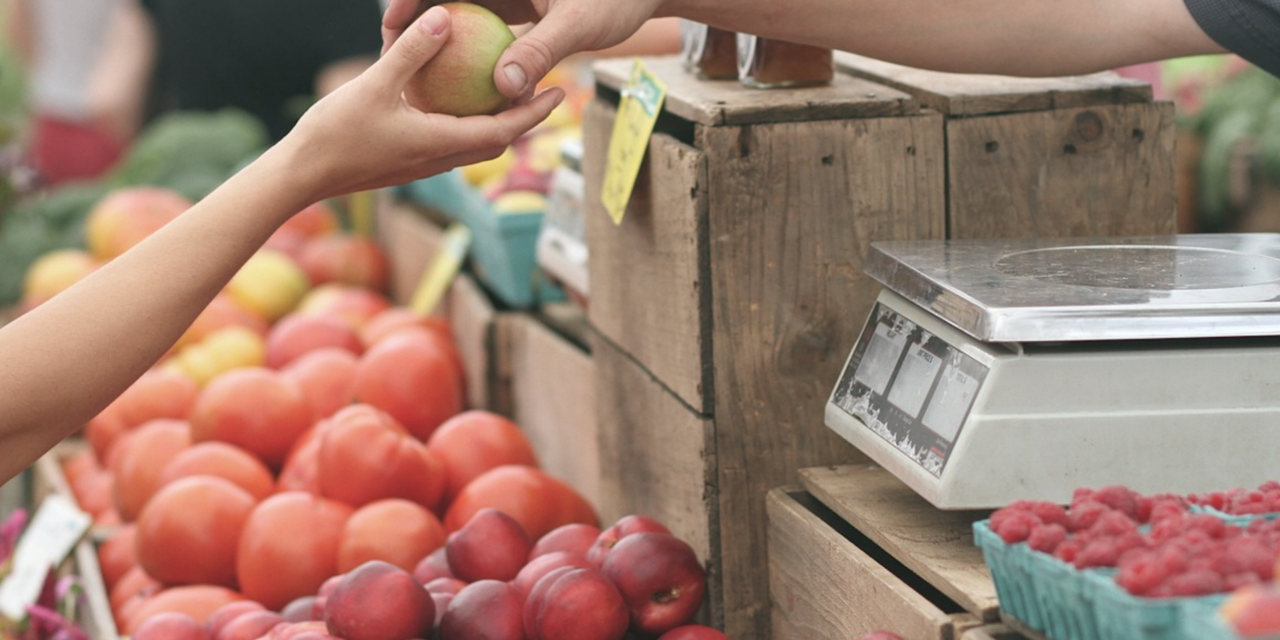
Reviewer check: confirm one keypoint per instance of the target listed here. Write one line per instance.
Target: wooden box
(854, 550)
(733, 289)
(553, 400)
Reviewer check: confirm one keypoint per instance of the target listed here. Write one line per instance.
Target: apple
(356, 305)
(345, 258)
(491, 545)
(124, 217)
(693, 632)
(575, 537)
(624, 527)
(53, 272)
(573, 603)
(458, 80)
(296, 334)
(379, 601)
(660, 579)
(484, 610)
(171, 625)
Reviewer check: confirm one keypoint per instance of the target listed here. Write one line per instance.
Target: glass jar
(709, 53)
(765, 63)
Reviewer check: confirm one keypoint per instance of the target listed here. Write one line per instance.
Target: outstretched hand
(364, 135)
(562, 28)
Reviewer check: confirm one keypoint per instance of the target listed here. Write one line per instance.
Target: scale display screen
(910, 387)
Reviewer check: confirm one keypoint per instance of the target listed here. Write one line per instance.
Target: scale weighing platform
(995, 370)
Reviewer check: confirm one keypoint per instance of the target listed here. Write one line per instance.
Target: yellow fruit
(270, 284)
(222, 351)
(481, 172)
(53, 272)
(517, 202)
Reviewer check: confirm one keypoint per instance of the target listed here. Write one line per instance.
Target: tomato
(94, 491)
(393, 530)
(316, 219)
(474, 442)
(190, 530)
(103, 430)
(538, 501)
(411, 375)
(289, 547)
(196, 600)
(223, 460)
(118, 554)
(140, 461)
(222, 312)
(159, 393)
(254, 408)
(135, 584)
(362, 459)
(325, 376)
(298, 334)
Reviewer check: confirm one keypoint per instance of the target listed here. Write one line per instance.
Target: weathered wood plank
(795, 206)
(553, 394)
(648, 286)
(824, 587)
(935, 544)
(659, 458)
(1097, 171)
(410, 241)
(964, 94)
(473, 320)
(727, 102)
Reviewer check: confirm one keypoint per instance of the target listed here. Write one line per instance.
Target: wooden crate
(1034, 157)
(411, 236)
(854, 550)
(553, 400)
(734, 284)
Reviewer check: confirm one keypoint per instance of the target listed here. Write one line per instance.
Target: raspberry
(1112, 524)
(1269, 485)
(1159, 507)
(1049, 513)
(1014, 510)
(1142, 572)
(1083, 515)
(1082, 494)
(1120, 498)
(1199, 582)
(1068, 549)
(1106, 551)
(1237, 580)
(1045, 538)
(1214, 526)
(1246, 555)
(1016, 526)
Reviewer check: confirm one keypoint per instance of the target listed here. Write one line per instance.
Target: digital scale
(995, 370)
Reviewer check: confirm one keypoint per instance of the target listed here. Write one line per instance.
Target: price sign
(57, 526)
(443, 269)
(637, 113)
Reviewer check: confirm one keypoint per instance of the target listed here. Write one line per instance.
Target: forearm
(1015, 37)
(68, 358)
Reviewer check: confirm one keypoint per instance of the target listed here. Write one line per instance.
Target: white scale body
(992, 371)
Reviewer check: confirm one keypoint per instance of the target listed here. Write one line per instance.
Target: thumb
(418, 44)
(532, 56)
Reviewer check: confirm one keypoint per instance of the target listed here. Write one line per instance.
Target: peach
(249, 626)
(574, 538)
(572, 603)
(125, 216)
(379, 601)
(170, 625)
(53, 272)
(296, 335)
(1253, 611)
(435, 565)
(491, 545)
(228, 612)
(700, 632)
(540, 566)
(660, 579)
(345, 258)
(624, 527)
(484, 610)
(458, 80)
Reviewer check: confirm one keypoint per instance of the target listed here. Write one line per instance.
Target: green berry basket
(1202, 622)
(1124, 616)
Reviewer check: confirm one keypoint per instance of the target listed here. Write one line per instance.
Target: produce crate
(553, 396)
(734, 283)
(411, 236)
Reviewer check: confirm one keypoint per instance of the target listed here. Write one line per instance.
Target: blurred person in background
(83, 113)
(271, 58)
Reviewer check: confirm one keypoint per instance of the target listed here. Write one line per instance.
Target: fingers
(419, 42)
(533, 55)
(498, 131)
(398, 16)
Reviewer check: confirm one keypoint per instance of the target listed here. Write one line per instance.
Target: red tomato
(135, 584)
(410, 375)
(254, 408)
(223, 460)
(393, 530)
(159, 393)
(298, 334)
(289, 547)
(118, 554)
(474, 442)
(363, 457)
(325, 376)
(140, 461)
(538, 501)
(189, 531)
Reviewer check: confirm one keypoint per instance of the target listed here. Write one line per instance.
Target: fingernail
(434, 20)
(515, 75)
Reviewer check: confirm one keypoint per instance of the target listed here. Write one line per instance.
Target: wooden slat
(410, 241)
(962, 94)
(473, 320)
(553, 394)
(824, 587)
(727, 102)
(1099, 171)
(795, 206)
(659, 457)
(992, 632)
(937, 545)
(648, 286)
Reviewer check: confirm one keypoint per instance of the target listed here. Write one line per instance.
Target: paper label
(638, 111)
(51, 535)
(443, 269)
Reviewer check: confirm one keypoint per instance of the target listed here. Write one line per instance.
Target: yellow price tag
(637, 113)
(438, 275)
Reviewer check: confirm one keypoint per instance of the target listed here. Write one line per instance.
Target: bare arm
(1013, 37)
(120, 80)
(19, 29)
(68, 358)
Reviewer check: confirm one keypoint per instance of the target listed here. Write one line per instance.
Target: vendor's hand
(364, 135)
(563, 27)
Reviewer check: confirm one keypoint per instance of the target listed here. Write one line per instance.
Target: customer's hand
(562, 28)
(364, 135)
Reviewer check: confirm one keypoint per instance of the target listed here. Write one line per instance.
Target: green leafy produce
(191, 152)
(43, 223)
